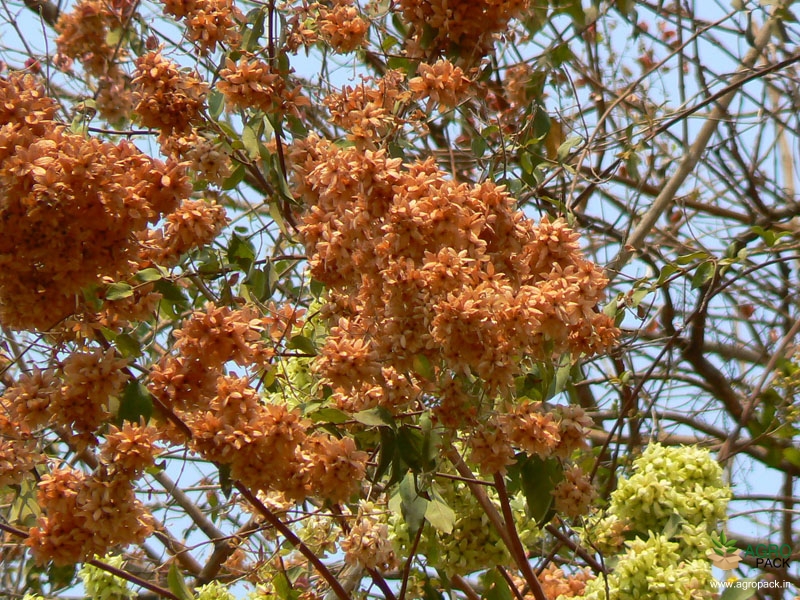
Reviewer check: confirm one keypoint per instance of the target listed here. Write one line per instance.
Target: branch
(662, 202)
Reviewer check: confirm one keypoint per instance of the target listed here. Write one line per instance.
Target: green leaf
(128, 346)
(691, 257)
(536, 478)
(478, 146)
(410, 447)
(302, 343)
(241, 252)
(792, 455)
(149, 275)
(388, 451)
(118, 291)
(375, 417)
(703, 274)
(441, 516)
(423, 367)
(136, 402)
(235, 178)
(328, 414)
(673, 525)
(216, 102)
(413, 506)
(177, 584)
(496, 587)
(283, 587)
(250, 141)
(564, 149)
(739, 593)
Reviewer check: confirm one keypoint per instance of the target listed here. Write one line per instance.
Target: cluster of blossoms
(84, 36)
(85, 516)
(441, 83)
(420, 266)
(267, 446)
(167, 98)
(556, 583)
(71, 207)
(473, 544)
(666, 482)
(254, 84)
(467, 26)
(367, 543)
(208, 22)
(192, 225)
(341, 26)
(102, 585)
(74, 397)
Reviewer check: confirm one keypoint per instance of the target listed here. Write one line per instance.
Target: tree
(399, 299)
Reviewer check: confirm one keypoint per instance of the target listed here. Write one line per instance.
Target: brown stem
(516, 548)
(295, 541)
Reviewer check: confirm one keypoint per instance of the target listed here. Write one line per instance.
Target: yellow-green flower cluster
(666, 510)
(213, 591)
(669, 481)
(652, 568)
(102, 585)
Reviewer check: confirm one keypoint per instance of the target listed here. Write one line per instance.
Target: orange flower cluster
(419, 266)
(84, 516)
(208, 22)
(267, 447)
(574, 495)
(441, 83)
(469, 25)
(18, 453)
(193, 225)
(342, 26)
(254, 84)
(83, 35)
(74, 397)
(127, 452)
(167, 98)
(529, 428)
(70, 207)
(556, 583)
(368, 113)
(203, 156)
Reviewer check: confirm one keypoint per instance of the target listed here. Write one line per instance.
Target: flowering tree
(403, 299)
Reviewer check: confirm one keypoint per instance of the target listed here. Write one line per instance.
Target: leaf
(216, 102)
(250, 141)
(564, 149)
(329, 414)
(441, 516)
(235, 178)
(177, 584)
(537, 478)
(410, 444)
(703, 274)
(739, 593)
(302, 343)
(375, 417)
(691, 257)
(136, 403)
(496, 587)
(412, 506)
(283, 587)
(387, 453)
(423, 367)
(149, 275)
(241, 252)
(673, 525)
(119, 291)
(128, 346)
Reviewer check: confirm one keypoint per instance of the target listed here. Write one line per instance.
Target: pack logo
(724, 554)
